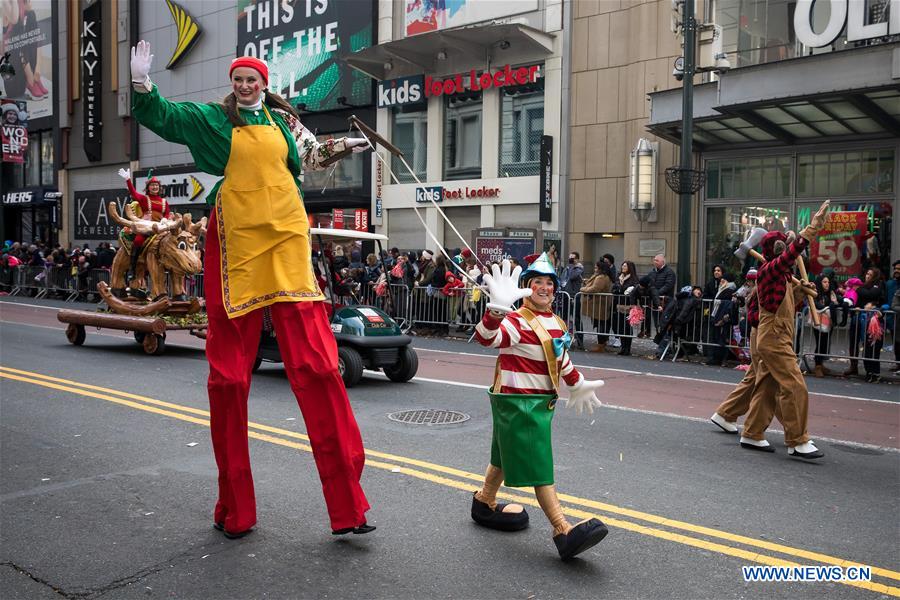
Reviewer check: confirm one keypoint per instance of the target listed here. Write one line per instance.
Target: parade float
(171, 254)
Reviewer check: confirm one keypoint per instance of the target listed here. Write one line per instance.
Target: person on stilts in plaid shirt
(775, 345)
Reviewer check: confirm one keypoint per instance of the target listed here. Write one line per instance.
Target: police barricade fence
(867, 336)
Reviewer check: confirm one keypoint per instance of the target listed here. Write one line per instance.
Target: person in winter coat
(627, 281)
(871, 294)
(828, 305)
(596, 303)
(570, 281)
(372, 270)
(720, 320)
(712, 286)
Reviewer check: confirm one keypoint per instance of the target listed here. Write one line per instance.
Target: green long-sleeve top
(206, 131)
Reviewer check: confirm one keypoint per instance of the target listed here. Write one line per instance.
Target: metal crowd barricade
(59, 281)
(849, 338)
(31, 281)
(428, 306)
(598, 314)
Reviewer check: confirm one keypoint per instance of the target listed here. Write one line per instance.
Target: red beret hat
(253, 63)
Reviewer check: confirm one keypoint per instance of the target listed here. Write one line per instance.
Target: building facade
(471, 95)
(809, 111)
(194, 42)
(29, 101)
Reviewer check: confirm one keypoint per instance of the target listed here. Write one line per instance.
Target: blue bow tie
(562, 344)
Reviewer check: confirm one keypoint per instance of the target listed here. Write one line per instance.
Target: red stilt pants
(309, 352)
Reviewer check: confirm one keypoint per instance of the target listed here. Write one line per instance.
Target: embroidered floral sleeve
(312, 151)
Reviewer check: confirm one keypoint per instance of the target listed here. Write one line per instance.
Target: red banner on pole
(839, 244)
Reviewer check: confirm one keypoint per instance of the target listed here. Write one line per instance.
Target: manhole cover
(429, 416)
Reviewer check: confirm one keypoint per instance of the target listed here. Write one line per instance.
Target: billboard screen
(28, 37)
(304, 42)
(423, 16)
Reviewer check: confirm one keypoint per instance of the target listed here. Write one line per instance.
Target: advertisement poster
(495, 249)
(839, 245)
(304, 43)
(92, 220)
(423, 16)
(27, 36)
(13, 130)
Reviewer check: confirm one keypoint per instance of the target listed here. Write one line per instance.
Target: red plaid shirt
(773, 277)
(753, 310)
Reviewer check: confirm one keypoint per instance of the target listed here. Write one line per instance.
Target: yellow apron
(262, 225)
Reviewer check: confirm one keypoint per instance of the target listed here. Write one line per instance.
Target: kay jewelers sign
(813, 28)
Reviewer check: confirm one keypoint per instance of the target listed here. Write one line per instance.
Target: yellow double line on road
(675, 531)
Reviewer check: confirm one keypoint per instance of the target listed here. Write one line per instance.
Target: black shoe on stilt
(358, 530)
(495, 518)
(231, 535)
(584, 535)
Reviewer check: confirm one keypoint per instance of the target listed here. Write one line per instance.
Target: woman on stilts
(258, 257)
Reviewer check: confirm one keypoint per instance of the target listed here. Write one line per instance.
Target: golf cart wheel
(139, 337)
(75, 334)
(257, 363)
(154, 344)
(350, 365)
(406, 366)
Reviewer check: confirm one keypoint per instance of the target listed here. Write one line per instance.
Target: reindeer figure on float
(173, 246)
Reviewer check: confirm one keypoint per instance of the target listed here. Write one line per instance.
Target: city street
(108, 483)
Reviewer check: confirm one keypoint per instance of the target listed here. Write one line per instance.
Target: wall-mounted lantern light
(642, 179)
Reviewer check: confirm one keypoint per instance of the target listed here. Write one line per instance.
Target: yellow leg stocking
(546, 496)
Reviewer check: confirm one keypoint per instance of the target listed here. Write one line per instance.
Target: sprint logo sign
(188, 33)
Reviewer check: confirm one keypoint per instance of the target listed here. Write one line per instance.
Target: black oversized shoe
(584, 535)
(358, 530)
(484, 515)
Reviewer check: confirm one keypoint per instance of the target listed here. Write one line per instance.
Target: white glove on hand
(503, 287)
(141, 59)
(582, 395)
(357, 144)
(125, 174)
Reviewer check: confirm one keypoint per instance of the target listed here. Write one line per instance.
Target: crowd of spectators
(709, 314)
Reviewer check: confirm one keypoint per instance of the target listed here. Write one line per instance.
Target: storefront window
(410, 135)
(47, 162)
(345, 173)
(764, 178)
(728, 226)
(857, 236)
(762, 31)
(521, 128)
(33, 161)
(845, 173)
(462, 136)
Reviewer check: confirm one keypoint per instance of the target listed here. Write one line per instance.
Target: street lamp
(642, 179)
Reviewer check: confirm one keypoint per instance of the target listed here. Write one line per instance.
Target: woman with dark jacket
(829, 303)
(720, 320)
(626, 282)
(712, 286)
(869, 295)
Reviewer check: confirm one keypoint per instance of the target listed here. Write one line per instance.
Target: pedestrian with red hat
(258, 256)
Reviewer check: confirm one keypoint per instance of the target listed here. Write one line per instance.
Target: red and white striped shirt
(523, 368)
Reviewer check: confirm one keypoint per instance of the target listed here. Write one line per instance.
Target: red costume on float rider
(151, 207)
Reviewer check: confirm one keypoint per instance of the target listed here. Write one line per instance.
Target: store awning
(418, 54)
(847, 95)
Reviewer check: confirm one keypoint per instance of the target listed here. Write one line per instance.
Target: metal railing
(689, 332)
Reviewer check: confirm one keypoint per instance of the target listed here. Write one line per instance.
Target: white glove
(503, 287)
(582, 395)
(125, 174)
(629, 290)
(357, 144)
(141, 59)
